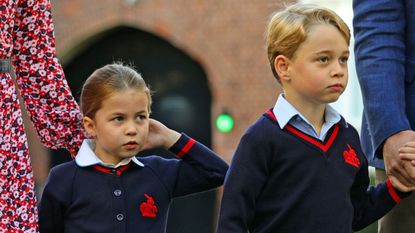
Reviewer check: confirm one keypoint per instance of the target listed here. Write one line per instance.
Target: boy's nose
(338, 70)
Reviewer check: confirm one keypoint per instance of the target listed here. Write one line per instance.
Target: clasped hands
(399, 158)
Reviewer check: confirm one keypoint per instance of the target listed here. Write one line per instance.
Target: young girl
(106, 188)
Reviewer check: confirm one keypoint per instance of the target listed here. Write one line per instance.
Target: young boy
(300, 167)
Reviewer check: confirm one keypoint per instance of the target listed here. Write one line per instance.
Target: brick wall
(225, 36)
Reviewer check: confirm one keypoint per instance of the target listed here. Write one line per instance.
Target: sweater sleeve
(55, 200)
(45, 91)
(245, 179)
(372, 202)
(200, 168)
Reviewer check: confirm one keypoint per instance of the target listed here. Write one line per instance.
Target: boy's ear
(89, 126)
(281, 65)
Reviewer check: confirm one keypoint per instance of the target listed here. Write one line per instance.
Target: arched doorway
(181, 100)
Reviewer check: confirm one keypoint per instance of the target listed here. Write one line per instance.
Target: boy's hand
(400, 172)
(407, 152)
(398, 185)
(160, 136)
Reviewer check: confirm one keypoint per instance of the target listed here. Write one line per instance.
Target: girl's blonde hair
(287, 29)
(107, 80)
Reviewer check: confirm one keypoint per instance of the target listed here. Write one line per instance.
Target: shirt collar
(87, 157)
(331, 115)
(284, 112)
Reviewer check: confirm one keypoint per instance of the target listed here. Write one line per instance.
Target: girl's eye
(118, 119)
(323, 59)
(141, 117)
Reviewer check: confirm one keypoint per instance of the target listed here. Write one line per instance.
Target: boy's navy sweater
(128, 199)
(282, 180)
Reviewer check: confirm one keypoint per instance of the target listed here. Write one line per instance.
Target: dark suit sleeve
(200, 169)
(245, 179)
(379, 28)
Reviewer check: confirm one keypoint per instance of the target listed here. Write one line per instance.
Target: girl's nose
(131, 129)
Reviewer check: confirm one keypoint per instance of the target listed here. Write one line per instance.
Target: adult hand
(400, 172)
(408, 152)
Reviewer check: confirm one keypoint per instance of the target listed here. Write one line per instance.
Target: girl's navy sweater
(130, 198)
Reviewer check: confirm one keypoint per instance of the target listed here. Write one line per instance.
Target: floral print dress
(27, 40)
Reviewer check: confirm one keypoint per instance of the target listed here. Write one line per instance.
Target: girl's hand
(160, 136)
(407, 152)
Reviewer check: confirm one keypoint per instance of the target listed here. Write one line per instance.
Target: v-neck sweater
(285, 181)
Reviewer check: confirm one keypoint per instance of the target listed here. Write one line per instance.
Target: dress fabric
(27, 40)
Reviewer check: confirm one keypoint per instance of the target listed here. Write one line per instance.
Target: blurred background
(202, 58)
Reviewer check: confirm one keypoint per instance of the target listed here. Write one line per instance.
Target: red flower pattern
(26, 38)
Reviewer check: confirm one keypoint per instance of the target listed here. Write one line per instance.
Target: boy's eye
(344, 59)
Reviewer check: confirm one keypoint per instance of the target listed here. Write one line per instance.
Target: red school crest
(148, 209)
(350, 156)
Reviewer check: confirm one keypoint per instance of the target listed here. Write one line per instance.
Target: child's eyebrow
(345, 52)
(142, 112)
(123, 113)
(117, 114)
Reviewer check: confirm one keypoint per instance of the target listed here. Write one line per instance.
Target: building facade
(201, 58)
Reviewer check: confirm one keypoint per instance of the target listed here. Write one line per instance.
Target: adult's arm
(40, 78)
(379, 29)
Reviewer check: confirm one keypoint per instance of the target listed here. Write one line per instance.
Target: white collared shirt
(87, 157)
(287, 113)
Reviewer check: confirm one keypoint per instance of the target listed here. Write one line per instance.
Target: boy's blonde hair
(287, 29)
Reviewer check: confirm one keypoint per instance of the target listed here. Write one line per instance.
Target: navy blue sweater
(284, 181)
(128, 199)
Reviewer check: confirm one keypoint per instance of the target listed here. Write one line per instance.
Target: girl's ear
(89, 126)
(281, 65)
